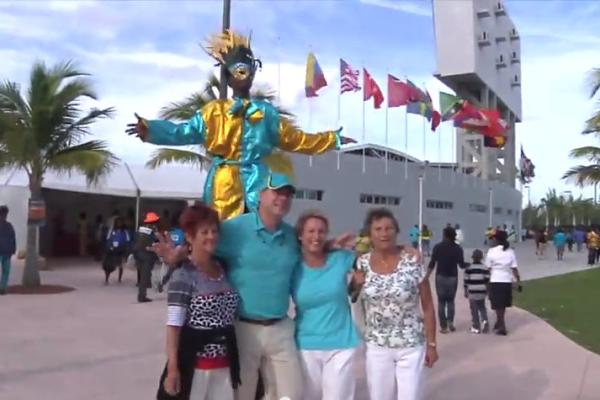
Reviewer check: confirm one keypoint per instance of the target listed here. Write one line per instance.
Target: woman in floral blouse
(400, 339)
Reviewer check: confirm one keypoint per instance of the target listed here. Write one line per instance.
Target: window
(440, 204)
(514, 54)
(509, 212)
(380, 200)
(501, 58)
(497, 210)
(477, 208)
(309, 194)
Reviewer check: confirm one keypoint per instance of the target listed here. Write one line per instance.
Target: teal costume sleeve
(167, 133)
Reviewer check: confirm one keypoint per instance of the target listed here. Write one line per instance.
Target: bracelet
(432, 344)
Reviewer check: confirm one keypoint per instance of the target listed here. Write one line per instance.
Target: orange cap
(151, 218)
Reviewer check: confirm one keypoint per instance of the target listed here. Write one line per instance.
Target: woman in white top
(502, 262)
(400, 340)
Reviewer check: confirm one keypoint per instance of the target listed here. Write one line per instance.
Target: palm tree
(185, 110)
(588, 174)
(42, 131)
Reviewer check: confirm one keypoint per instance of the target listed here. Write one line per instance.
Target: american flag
(349, 78)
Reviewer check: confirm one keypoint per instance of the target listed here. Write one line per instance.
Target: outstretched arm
(167, 133)
(293, 139)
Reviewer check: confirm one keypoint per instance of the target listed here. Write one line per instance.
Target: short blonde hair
(308, 214)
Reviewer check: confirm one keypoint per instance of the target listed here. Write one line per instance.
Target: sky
(145, 54)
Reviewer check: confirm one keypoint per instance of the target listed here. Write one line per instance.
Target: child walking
(476, 279)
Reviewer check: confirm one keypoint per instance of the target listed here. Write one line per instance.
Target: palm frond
(592, 125)
(75, 130)
(176, 156)
(591, 153)
(92, 158)
(594, 81)
(583, 175)
(184, 110)
(11, 101)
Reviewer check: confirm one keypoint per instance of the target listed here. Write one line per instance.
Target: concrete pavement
(99, 343)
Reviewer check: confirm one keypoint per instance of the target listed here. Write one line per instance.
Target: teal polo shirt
(260, 264)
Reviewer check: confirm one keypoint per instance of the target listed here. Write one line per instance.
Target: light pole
(421, 213)
(491, 205)
(226, 23)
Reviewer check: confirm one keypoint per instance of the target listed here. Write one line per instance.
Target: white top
(392, 304)
(459, 236)
(501, 262)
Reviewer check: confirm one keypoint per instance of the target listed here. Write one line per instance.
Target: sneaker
(485, 327)
(146, 300)
(444, 330)
(474, 330)
(452, 328)
(159, 288)
(502, 332)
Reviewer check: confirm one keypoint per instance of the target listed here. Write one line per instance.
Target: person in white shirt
(502, 263)
(459, 235)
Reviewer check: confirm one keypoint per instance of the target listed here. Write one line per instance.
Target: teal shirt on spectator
(323, 317)
(260, 264)
(560, 239)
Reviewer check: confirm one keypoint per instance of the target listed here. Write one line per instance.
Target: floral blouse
(392, 304)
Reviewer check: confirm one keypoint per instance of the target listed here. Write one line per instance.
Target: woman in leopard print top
(201, 309)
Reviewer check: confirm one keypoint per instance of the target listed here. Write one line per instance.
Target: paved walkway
(98, 343)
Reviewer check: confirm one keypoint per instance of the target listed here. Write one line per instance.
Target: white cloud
(409, 7)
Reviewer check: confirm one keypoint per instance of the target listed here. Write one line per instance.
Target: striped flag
(348, 78)
(315, 79)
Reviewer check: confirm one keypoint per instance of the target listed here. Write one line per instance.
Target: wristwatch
(432, 344)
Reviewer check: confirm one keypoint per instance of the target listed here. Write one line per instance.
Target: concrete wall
(342, 189)
(458, 27)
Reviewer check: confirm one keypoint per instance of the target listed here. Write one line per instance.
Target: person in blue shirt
(177, 237)
(560, 239)
(413, 235)
(117, 245)
(8, 247)
(579, 238)
(325, 332)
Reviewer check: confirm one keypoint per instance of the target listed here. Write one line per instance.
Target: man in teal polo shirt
(261, 252)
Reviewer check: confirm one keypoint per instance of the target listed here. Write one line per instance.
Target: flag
(399, 93)
(494, 141)
(348, 78)
(315, 79)
(450, 105)
(416, 94)
(527, 169)
(371, 89)
(425, 108)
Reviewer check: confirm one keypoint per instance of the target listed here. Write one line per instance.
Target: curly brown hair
(376, 214)
(308, 214)
(194, 216)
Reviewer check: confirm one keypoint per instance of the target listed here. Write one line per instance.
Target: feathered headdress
(222, 46)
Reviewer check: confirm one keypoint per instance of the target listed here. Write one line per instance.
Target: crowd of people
(569, 238)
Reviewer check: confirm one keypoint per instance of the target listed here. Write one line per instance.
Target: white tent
(124, 181)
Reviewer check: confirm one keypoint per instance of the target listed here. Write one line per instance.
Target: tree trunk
(31, 272)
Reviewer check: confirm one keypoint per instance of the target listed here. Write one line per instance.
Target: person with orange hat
(145, 259)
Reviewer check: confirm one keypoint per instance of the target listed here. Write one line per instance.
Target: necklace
(388, 265)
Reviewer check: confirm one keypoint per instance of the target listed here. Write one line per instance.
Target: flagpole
(364, 135)
(424, 132)
(387, 122)
(405, 142)
(440, 154)
(339, 110)
(364, 127)
(310, 101)
(279, 68)
(454, 160)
